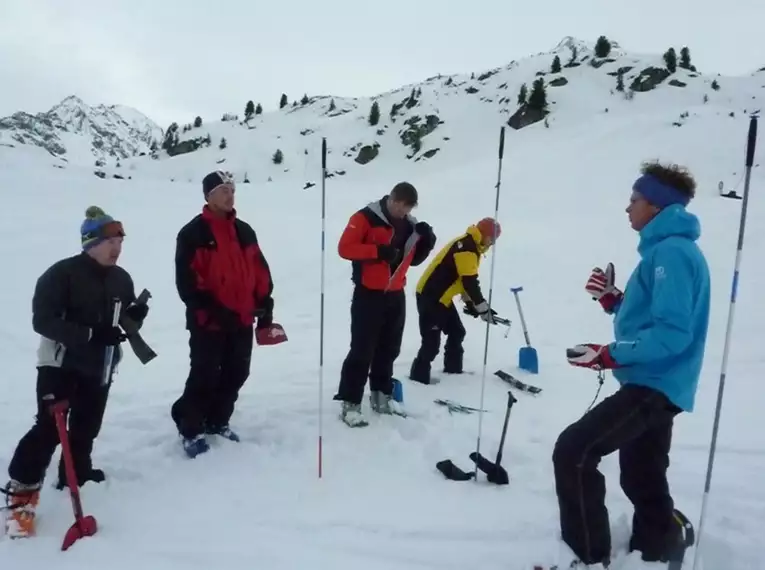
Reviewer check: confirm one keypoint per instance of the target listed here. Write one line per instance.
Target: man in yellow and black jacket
(454, 271)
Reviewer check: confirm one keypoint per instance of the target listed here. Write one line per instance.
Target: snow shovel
(495, 473)
(527, 355)
(83, 525)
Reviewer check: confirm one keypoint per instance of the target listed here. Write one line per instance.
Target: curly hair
(672, 175)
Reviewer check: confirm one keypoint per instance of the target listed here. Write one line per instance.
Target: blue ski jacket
(661, 324)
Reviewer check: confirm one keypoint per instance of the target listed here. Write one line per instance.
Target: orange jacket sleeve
(351, 245)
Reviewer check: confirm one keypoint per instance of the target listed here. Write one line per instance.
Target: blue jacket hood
(673, 220)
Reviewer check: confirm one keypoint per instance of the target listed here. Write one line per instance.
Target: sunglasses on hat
(107, 231)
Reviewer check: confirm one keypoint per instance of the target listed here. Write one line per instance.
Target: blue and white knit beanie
(97, 227)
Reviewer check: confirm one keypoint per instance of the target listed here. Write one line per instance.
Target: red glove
(600, 286)
(595, 356)
(272, 334)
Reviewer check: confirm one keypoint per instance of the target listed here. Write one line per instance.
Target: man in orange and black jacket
(225, 282)
(382, 241)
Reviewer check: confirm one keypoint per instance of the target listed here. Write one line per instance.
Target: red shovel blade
(86, 526)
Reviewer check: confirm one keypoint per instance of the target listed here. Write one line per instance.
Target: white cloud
(175, 59)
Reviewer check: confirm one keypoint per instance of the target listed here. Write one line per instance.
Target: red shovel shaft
(83, 525)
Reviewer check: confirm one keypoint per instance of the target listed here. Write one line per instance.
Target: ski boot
(385, 404)
(225, 432)
(194, 446)
(20, 504)
(352, 416)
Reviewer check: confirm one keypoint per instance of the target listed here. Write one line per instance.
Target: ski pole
(750, 146)
(491, 290)
(321, 302)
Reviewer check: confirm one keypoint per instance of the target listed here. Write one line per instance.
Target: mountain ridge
(74, 131)
(587, 82)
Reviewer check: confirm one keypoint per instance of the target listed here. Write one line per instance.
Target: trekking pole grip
(751, 141)
(501, 142)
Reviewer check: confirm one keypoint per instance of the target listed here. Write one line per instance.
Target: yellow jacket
(454, 271)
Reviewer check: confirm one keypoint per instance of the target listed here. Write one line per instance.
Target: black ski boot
(420, 372)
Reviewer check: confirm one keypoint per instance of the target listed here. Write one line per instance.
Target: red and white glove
(601, 287)
(273, 334)
(595, 356)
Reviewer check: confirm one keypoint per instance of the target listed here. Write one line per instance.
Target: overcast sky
(175, 59)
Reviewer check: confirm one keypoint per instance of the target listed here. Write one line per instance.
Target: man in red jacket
(382, 241)
(224, 280)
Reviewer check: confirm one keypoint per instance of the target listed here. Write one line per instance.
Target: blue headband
(657, 193)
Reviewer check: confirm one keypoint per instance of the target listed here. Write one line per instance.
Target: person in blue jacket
(660, 329)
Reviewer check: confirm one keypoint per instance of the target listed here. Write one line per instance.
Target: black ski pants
(637, 421)
(87, 404)
(219, 367)
(377, 327)
(435, 319)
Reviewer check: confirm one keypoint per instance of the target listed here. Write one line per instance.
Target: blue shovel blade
(527, 359)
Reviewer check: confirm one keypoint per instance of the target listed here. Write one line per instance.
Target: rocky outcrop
(107, 131)
(526, 116)
(416, 129)
(649, 78)
(367, 153)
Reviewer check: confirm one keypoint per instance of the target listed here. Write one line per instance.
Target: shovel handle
(58, 410)
(515, 291)
(510, 401)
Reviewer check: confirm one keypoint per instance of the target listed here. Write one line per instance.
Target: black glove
(485, 312)
(424, 229)
(387, 253)
(137, 313)
(469, 309)
(265, 313)
(107, 335)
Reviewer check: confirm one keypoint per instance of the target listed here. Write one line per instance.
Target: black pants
(220, 365)
(377, 327)
(638, 422)
(435, 319)
(87, 404)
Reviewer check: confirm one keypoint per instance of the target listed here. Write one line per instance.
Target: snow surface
(381, 503)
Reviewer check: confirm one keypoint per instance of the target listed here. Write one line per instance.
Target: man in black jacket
(224, 280)
(72, 310)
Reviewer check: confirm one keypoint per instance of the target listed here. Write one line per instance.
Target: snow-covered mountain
(76, 132)
(576, 84)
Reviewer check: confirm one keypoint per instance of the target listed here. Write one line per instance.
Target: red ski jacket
(368, 228)
(218, 260)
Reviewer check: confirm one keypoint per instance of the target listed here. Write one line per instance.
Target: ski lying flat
(517, 384)
(453, 407)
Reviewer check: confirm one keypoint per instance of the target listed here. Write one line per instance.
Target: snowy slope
(464, 106)
(74, 132)
(381, 504)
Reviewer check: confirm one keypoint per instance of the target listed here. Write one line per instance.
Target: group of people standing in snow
(224, 280)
